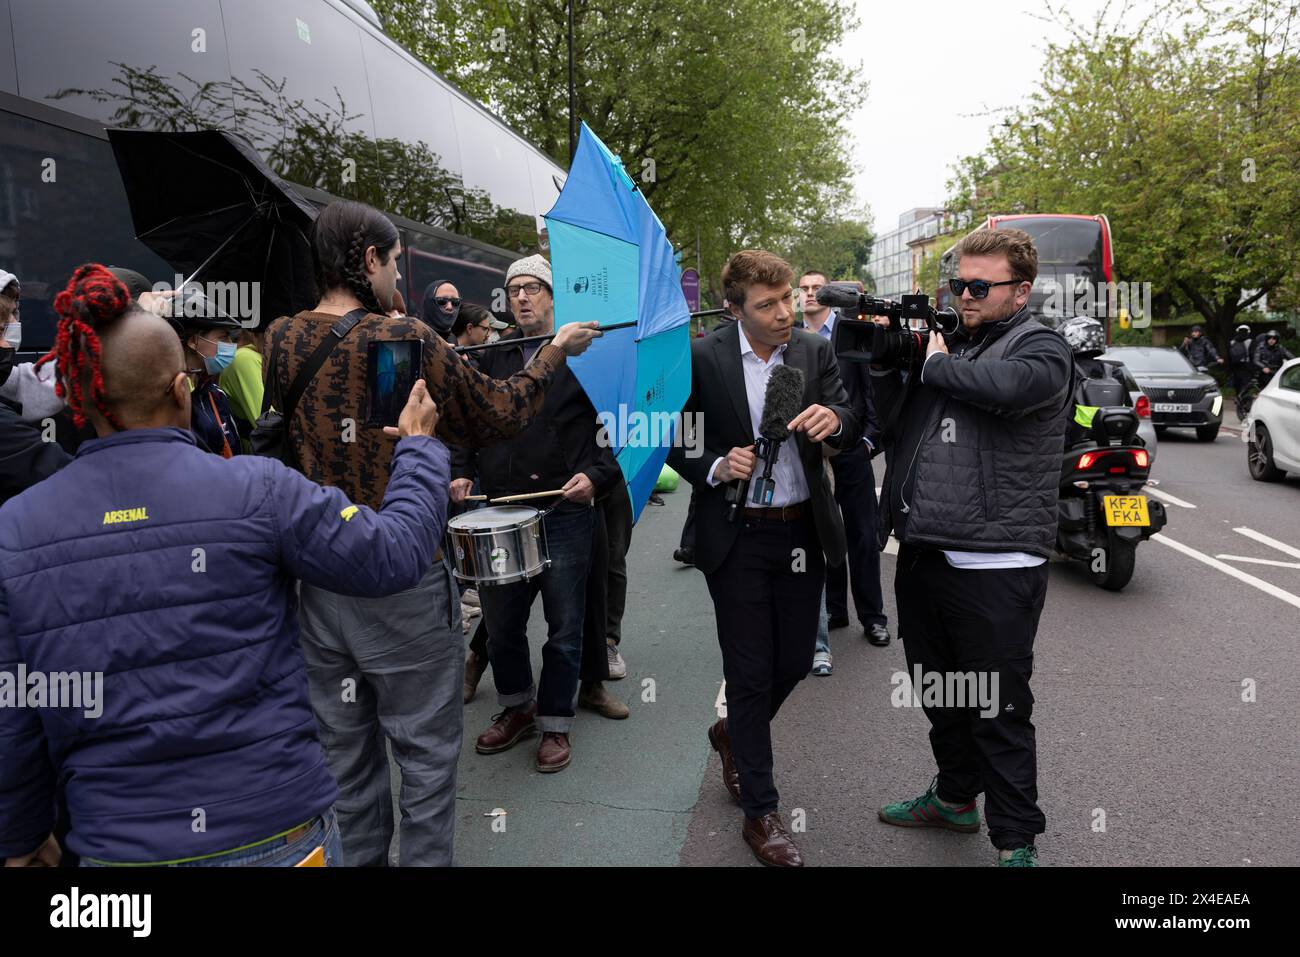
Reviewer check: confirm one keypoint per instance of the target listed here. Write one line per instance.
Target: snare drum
(498, 545)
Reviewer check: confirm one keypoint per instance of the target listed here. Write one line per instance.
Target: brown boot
(770, 842)
(474, 668)
(594, 697)
(722, 744)
(506, 730)
(553, 754)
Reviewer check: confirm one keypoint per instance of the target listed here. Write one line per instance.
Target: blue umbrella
(611, 262)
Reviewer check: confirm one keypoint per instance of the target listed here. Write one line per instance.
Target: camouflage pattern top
(335, 445)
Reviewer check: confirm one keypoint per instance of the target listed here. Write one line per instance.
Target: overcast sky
(914, 53)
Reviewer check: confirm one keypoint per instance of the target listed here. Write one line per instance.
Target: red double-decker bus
(1074, 252)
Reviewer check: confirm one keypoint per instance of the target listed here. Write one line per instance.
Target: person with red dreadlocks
(160, 581)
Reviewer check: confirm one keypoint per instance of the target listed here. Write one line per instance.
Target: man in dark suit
(766, 569)
(855, 488)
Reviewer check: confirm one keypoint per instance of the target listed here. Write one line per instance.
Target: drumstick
(520, 498)
(474, 498)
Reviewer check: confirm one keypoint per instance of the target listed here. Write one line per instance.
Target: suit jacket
(721, 410)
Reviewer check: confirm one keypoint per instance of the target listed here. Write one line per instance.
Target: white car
(1272, 427)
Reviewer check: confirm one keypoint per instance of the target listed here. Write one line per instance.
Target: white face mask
(13, 334)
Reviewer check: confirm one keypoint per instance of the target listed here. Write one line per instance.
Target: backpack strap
(317, 359)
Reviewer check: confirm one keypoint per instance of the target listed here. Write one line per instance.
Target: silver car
(1180, 395)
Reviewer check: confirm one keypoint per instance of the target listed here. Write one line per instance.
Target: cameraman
(971, 495)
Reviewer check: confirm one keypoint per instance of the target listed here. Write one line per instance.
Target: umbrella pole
(217, 252)
(528, 339)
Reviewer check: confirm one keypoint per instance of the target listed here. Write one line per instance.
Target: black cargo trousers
(979, 623)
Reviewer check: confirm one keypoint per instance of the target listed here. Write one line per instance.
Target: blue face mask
(221, 361)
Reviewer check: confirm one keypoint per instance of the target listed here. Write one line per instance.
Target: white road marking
(1258, 561)
(1282, 547)
(1166, 497)
(720, 705)
(1279, 593)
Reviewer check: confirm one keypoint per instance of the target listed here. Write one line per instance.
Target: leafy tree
(838, 248)
(1183, 129)
(728, 115)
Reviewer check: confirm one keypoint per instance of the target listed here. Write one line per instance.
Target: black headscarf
(435, 317)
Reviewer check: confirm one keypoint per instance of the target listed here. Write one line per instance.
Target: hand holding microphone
(781, 403)
(737, 466)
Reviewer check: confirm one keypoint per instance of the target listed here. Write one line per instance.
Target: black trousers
(982, 621)
(688, 529)
(767, 614)
(617, 508)
(855, 492)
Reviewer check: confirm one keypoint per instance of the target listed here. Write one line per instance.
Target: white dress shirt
(787, 473)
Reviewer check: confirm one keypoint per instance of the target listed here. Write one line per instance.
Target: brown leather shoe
(507, 728)
(553, 753)
(474, 668)
(722, 744)
(594, 697)
(770, 842)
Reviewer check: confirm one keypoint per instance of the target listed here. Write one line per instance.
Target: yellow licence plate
(1125, 510)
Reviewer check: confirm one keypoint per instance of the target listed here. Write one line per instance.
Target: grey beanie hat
(530, 266)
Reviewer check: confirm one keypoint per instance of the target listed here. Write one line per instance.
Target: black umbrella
(207, 204)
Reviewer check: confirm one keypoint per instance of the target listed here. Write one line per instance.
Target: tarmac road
(1142, 726)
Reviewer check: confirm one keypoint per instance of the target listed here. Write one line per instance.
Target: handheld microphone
(782, 401)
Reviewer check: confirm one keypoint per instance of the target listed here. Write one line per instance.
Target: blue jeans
(823, 629)
(323, 832)
(563, 587)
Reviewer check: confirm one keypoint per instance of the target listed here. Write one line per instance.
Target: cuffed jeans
(563, 587)
(389, 668)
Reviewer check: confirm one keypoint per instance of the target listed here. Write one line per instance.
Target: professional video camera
(898, 345)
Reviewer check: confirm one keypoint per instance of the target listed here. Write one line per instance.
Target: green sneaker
(1020, 857)
(927, 811)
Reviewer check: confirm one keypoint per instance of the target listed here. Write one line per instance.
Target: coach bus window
(477, 273)
(148, 65)
(300, 88)
(415, 138)
(499, 199)
(47, 229)
(8, 74)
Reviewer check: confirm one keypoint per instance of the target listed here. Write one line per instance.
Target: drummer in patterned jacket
(559, 450)
(398, 662)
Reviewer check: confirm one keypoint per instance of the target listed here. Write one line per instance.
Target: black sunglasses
(979, 288)
(446, 301)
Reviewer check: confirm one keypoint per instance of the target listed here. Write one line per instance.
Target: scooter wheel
(1117, 566)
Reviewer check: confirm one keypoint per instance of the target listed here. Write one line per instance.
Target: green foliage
(838, 248)
(1183, 129)
(728, 115)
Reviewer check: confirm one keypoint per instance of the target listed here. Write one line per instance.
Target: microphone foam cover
(782, 402)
